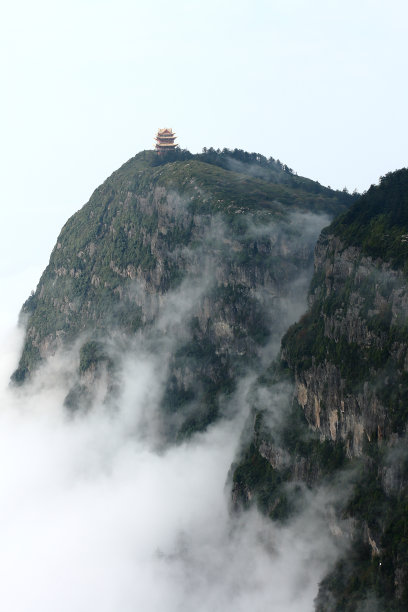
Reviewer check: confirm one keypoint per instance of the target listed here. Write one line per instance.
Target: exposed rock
(150, 234)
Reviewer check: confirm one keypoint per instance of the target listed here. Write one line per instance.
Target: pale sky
(319, 84)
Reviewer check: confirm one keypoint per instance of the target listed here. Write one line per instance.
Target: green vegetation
(90, 355)
(360, 573)
(255, 475)
(270, 170)
(148, 210)
(378, 222)
(344, 302)
(275, 490)
(305, 344)
(157, 219)
(365, 302)
(197, 398)
(214, 189)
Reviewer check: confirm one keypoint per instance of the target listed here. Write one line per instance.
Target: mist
(93, 518)
(97, 515)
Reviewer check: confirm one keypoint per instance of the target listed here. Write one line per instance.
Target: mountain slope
(233, 243)
(348, 358)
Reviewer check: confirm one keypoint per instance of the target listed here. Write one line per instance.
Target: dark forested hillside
(378, 222)
(348, 360)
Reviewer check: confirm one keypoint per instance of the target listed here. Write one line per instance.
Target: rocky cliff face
(358, 312)
(187, 251)
(346, 360)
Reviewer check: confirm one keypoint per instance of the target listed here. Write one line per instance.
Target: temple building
(165, 141)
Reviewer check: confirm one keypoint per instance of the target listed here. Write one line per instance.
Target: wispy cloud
(95, 514)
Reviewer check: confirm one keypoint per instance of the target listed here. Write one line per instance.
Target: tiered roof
(165, 139)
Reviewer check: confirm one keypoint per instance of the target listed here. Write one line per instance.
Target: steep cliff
(206, 260)
(179, 249)
(347, 362)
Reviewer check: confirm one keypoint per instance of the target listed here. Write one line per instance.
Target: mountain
(203, 263)
(346, 361)
(192, 256)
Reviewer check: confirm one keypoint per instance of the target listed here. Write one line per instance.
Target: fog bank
(96, 515)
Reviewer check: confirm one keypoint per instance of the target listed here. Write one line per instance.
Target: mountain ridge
(347, 360)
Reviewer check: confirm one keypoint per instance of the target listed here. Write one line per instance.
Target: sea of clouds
(95, 515)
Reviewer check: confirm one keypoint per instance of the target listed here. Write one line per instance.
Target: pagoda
(165, 141)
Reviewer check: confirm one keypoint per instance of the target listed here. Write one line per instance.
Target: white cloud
(92, 518)
(94, 515)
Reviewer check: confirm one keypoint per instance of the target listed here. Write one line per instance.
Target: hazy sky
(319, 84)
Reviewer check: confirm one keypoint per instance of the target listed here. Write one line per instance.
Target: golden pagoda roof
(165, 132)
